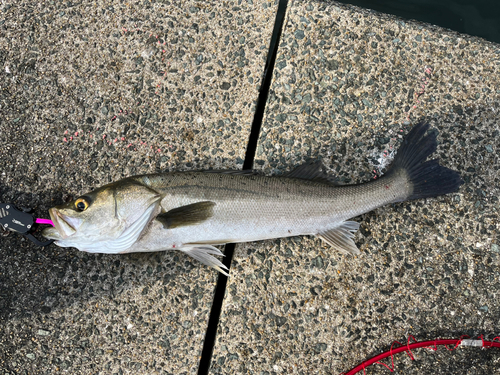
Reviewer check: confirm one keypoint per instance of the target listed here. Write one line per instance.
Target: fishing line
(44, 221)
(431, 344)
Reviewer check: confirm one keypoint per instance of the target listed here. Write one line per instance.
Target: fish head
(89, 216)
(100, 220)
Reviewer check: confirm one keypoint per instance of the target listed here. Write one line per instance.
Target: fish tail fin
(426, 178)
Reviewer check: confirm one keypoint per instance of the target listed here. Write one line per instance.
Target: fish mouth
(64, 226)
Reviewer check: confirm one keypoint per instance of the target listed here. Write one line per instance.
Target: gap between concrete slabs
(220, 291)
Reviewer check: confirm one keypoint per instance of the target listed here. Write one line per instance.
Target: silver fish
(193, 211)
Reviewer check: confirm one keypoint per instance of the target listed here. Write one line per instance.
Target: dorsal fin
(313, 171)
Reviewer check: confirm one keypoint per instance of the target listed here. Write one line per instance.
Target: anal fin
(341, 237)
(203, 254)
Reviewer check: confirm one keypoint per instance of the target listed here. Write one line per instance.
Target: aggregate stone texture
(90, 92)
(348, 84)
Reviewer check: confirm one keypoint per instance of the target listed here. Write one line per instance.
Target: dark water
(474, 17)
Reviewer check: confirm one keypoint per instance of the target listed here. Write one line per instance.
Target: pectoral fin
(341, 237)
(190, 214)
(203, 254)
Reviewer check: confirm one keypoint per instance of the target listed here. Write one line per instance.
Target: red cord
(432, 344)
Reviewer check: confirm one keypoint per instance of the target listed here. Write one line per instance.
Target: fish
(194, 211)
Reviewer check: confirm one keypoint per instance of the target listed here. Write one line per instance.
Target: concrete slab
(348, 82)
(91, 92)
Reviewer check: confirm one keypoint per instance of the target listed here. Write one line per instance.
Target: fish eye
(81, 204)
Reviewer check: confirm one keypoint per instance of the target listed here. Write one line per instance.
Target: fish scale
(287, 205)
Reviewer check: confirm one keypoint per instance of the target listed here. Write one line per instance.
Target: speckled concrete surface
(348, 84)
(92, 91)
